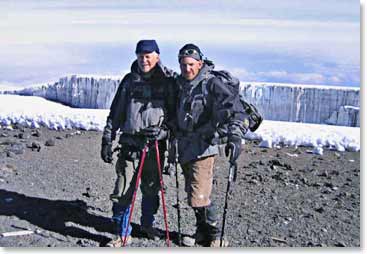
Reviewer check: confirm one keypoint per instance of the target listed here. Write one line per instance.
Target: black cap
(146, 46)
(190, 50)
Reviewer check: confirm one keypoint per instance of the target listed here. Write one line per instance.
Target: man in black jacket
(140, 110)
(204, 103)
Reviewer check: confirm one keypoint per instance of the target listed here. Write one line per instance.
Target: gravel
(58, 187)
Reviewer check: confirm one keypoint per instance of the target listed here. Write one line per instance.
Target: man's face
(190, 67)
(147, 61)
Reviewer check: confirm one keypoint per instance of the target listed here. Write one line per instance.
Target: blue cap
(146, 46)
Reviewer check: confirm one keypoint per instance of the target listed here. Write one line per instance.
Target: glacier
(305, 103)
(317, 104)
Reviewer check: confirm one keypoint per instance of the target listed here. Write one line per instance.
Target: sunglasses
(191, 53)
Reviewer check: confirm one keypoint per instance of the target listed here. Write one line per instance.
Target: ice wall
(305, 103)
(79, 92)
(281, 102)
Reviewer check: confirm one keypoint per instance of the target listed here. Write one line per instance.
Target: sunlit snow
(35, 112)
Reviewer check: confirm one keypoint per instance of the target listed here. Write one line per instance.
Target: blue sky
(309, 42)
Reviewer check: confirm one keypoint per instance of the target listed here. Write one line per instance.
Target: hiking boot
(118, 242)
(216, 243)
(152, 233)
(188, 241)
(199, 238)
(115, 198)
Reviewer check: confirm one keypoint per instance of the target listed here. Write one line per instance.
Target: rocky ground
(55, 184)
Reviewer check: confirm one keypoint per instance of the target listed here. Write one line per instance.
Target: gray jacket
(140, 103)
(199, 114)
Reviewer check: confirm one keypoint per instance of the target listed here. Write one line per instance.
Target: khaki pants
(199, 181)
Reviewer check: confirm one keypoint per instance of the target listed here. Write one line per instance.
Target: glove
(233, 148)
(155, 133)
(106, 151)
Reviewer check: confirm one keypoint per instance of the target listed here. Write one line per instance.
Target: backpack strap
(204, 86)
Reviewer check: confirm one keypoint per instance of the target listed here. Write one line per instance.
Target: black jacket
(200, 111)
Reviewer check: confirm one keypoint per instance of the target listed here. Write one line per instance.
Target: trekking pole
(177, 195)
(231, 178)
(162, 192)
(140, 170)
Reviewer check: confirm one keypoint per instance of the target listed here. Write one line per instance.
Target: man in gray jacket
(140, 110)
(204, 102)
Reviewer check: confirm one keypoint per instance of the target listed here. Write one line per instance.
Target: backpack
(254, 118)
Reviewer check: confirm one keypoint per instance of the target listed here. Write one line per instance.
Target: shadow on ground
(62, 216)
(55, 215)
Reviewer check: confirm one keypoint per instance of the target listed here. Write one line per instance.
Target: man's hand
(233, 148)
(155, 133)
(106, 151)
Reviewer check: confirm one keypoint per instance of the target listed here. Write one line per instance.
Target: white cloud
(217, 26)
(303, 78)
(33, 31)
(282, 76)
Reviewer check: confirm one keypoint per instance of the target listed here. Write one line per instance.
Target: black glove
(233, 148)
(155, 133)
(106, 151)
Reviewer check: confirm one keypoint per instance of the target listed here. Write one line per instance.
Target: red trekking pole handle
(162, 192)
(142, 159)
